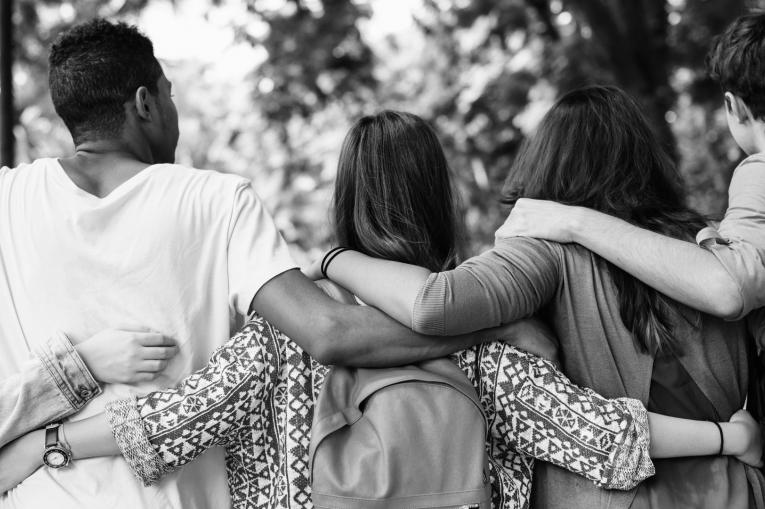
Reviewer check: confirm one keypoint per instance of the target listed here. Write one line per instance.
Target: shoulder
(529, 246)
(200, 184)
(181, 173)
(34, 169)
(749, 171)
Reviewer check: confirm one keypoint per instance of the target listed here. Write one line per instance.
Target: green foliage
(482, 72)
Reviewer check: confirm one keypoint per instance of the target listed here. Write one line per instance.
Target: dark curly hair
(737, 61)
(595, 149)
(95, 67)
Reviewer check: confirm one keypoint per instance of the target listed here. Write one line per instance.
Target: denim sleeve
(53, 384)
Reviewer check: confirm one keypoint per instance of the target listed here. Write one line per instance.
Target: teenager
(256, 395)
(117, 236)
(621, 338)
(727, 277)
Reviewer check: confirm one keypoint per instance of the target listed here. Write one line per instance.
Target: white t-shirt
(174, 249)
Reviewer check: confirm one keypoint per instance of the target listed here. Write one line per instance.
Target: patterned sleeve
(164, 430)
(535, 410)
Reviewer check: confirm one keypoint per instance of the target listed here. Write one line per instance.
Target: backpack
(399, 438)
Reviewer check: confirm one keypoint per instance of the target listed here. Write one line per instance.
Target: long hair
(393, 194)
(595, 149)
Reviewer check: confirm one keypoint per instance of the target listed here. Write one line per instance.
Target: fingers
(143, 377)
(158, 352)
(154, 339)
(151, 366)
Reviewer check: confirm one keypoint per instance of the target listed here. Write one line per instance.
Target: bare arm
(335, 333)
(679, 269)
(674, 437)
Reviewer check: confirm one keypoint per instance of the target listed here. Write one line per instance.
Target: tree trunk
(633, 35)
(7, 114)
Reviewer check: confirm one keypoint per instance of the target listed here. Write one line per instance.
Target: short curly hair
(95, 67)
(737, 61)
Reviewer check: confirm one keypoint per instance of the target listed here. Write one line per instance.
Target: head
(393, 195)
(737, 62)
(595, 149)
(106, 84)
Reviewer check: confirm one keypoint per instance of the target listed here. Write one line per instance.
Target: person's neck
(99, 167)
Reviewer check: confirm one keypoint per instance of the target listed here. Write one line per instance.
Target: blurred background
(268, 88)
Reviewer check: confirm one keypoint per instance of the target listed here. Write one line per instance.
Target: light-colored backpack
(399, 438)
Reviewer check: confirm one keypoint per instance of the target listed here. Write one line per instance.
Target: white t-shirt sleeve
(257, 251)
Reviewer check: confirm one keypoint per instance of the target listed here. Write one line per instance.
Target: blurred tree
(7, 141)
(481, 71)
(504, 61)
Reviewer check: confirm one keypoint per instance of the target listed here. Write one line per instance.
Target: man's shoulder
(180, 172)
(26, 169)
(206, 186)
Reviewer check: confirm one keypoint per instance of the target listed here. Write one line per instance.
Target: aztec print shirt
(256, 399)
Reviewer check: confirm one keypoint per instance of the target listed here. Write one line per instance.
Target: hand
(540, 219)
(748, 449)
(117, 356)
(20, 459)
(313, 271)
(336, 291)
(532, 335)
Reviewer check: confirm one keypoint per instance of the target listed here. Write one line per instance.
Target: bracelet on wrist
(331, 255)
(722, 438)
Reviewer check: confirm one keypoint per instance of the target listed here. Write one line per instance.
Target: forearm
(371, 339)
(674, 437)
(50, 386)
(679, 269)
(90, 438)
(210, 407)
(606, 440)
(389, 286)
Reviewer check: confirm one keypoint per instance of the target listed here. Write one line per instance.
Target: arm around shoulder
(680, 269)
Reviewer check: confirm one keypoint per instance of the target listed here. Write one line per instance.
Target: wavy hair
(595, 149)
(393, 195)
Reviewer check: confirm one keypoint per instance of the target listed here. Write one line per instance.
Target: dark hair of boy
(95, 68)
(737, 61)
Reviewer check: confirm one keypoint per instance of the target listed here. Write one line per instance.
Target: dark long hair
(595, 149)
(393, 195)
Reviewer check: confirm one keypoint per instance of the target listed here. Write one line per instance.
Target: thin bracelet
(331, 258)
(324, 260)
(722, 440)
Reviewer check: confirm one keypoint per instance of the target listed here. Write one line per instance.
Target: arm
(679, 269)
(61, 378)
(500, 286)
(53, 384)
(335, 333)
(145, 430)
(606, 440)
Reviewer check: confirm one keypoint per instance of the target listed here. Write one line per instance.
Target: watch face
(55, 458)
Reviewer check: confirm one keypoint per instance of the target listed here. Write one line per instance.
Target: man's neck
(100, 167)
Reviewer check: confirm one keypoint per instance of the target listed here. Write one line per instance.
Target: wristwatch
(57, 454)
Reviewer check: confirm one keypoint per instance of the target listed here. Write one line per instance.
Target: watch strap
(51, 434)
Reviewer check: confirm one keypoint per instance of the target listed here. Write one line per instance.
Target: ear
(736, 107)
(144, 103)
